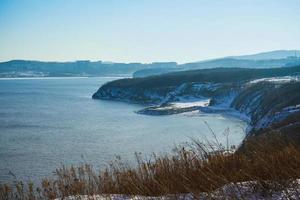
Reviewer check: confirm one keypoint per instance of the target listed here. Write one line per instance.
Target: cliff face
(218, 93)
(266, 97)
(133, 94)
(268, 102)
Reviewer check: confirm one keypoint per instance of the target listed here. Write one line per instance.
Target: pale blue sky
(145, 31)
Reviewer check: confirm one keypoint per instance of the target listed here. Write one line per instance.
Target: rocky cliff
(265, 96)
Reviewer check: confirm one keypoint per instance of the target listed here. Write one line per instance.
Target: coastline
(60, 77)
(198, 107)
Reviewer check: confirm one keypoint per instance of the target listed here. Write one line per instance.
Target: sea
(47, 123)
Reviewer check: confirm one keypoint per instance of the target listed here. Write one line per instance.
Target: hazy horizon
(144, 31)
(111, 61)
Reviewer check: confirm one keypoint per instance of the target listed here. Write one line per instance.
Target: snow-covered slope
(256, 94)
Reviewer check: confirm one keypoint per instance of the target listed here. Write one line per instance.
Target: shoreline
(59, 77)
(180, 107)
(195, 107)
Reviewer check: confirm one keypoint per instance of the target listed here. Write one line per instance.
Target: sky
(145, 30)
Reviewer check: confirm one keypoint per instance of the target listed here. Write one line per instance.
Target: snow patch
(193, 103)
(283, 79)
(241, 190)
(276, 117)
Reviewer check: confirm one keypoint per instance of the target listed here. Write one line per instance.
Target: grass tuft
(270, 163)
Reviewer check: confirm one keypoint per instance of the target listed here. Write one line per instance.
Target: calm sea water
(45, 123)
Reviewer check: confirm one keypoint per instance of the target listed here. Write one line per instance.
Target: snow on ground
(247, 191)
(126, 197)
(284, 79)
(191, 113)
(242, 190)
(276, 117)
(185, 103)
(191, 103)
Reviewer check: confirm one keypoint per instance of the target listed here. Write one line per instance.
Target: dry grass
(271, 163)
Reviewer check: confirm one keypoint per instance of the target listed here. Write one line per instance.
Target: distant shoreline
(57, 77)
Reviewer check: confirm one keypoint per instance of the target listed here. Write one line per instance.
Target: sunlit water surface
(45, 123)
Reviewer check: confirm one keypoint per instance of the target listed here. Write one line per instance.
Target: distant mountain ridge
(26, 68)
(277, 54)
(272, 59)
(244, 63)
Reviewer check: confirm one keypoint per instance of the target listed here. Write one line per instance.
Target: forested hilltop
(268, 97)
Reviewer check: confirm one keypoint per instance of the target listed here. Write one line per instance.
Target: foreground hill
(266, 168)
(265, 96)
